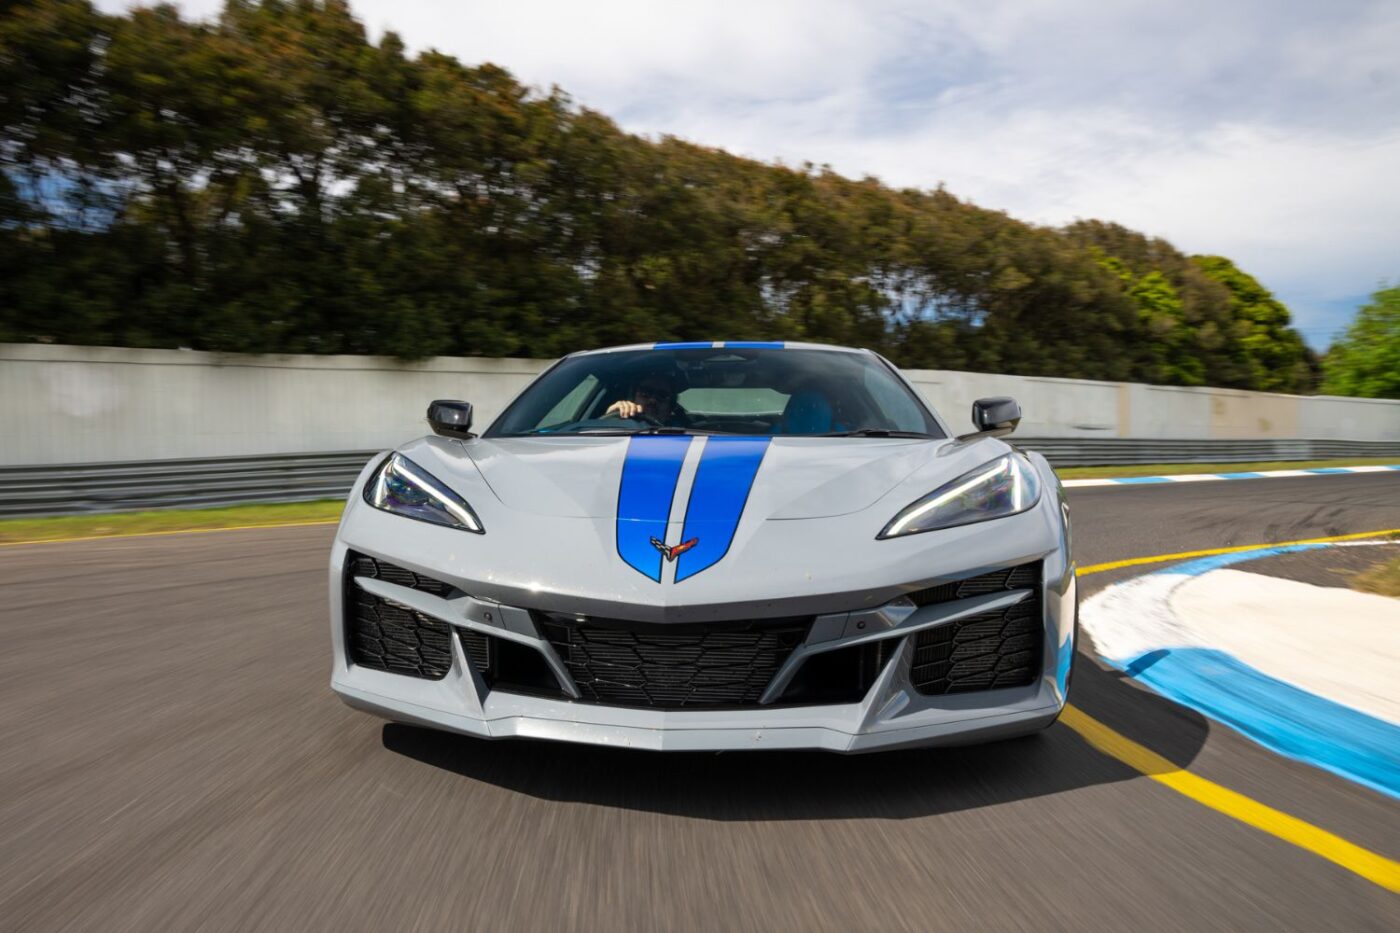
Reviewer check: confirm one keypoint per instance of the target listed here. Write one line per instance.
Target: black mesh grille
(721, 665)
(362, 565)
(388, 637)
(1022, 576)
(478, 648)
(987, 651)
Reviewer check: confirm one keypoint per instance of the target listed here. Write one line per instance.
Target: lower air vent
(508, 665)
(841, 676)
(670, 667)
(388, 637)
(987, 651)
(477, 647)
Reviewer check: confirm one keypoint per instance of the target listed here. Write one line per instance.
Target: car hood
(793, 477)
(635, 523)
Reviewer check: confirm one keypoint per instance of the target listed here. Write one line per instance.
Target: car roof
(722, 344)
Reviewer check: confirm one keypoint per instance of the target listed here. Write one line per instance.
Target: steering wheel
(641, 416)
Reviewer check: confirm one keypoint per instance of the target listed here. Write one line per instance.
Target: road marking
(1369, 865)
(1208, 552)
(159, 534)
(1211, 477)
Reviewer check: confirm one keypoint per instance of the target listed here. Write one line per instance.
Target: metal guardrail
(1120, 451)
(168, 484)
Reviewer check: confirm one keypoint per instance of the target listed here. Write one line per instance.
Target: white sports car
(709, 546)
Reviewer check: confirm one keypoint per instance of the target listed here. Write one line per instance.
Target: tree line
(273, 181)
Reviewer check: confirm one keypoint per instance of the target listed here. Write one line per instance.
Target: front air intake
(386, 636)
(988, 651)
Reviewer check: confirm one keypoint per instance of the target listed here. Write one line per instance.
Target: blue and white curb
(1286, 664)
(1211, 477)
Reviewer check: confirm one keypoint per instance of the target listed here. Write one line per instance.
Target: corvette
(725, 545)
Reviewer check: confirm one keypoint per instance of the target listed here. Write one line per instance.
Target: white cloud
(1263, 130)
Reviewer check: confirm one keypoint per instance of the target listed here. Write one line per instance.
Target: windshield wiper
(667, 430)
(876, 432)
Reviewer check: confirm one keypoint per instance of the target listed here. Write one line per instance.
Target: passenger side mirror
(451, 418)
(994, 417)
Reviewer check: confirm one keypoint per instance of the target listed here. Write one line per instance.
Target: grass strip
(1176, 469)
(107, 524)
(1383, 578)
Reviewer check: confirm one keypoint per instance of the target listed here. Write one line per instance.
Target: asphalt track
(174, 760)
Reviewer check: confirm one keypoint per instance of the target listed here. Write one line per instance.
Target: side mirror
(451, 418)
(994, 417)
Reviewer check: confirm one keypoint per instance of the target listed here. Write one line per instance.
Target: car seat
(807, 412)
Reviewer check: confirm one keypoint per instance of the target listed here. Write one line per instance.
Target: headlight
(1003, 487)
(404, 488)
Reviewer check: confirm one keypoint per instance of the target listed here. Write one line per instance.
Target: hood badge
(671, 553)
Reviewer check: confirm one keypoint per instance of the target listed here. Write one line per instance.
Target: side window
(570, 406)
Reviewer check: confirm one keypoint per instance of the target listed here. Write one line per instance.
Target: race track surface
(174, 759)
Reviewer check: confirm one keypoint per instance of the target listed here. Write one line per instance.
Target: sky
(1263, 130)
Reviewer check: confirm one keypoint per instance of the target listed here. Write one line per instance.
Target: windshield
(719, 391)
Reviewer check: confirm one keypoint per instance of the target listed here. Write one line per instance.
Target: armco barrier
(167, 484)
(171, 484)
(1112, 451)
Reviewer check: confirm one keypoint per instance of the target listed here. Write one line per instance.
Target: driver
(653, 399)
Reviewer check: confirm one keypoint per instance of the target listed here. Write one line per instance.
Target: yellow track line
(175, 531)
(1374, 868)
(1209, 552)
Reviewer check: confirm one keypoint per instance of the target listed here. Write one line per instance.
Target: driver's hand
(626, 408)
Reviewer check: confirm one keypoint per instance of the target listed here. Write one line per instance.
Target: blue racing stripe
(753, 345)
(1277, 715)
(644, 497)
(696, 345)
(722, 483)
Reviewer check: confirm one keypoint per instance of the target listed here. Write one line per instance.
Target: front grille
(664, 667)
(987, 651)
(388, 637)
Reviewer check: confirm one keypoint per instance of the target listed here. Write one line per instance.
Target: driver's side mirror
(994, 417)
(451, 418)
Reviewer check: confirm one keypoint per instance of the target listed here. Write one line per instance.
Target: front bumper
(892, 712)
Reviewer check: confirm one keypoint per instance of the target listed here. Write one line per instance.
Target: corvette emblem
(672, 553)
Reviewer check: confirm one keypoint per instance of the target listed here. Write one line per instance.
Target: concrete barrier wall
(63, 404)
(92, 405)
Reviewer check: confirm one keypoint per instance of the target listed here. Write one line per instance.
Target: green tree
(1274, 353)
(1366, 360)
(274, 181)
